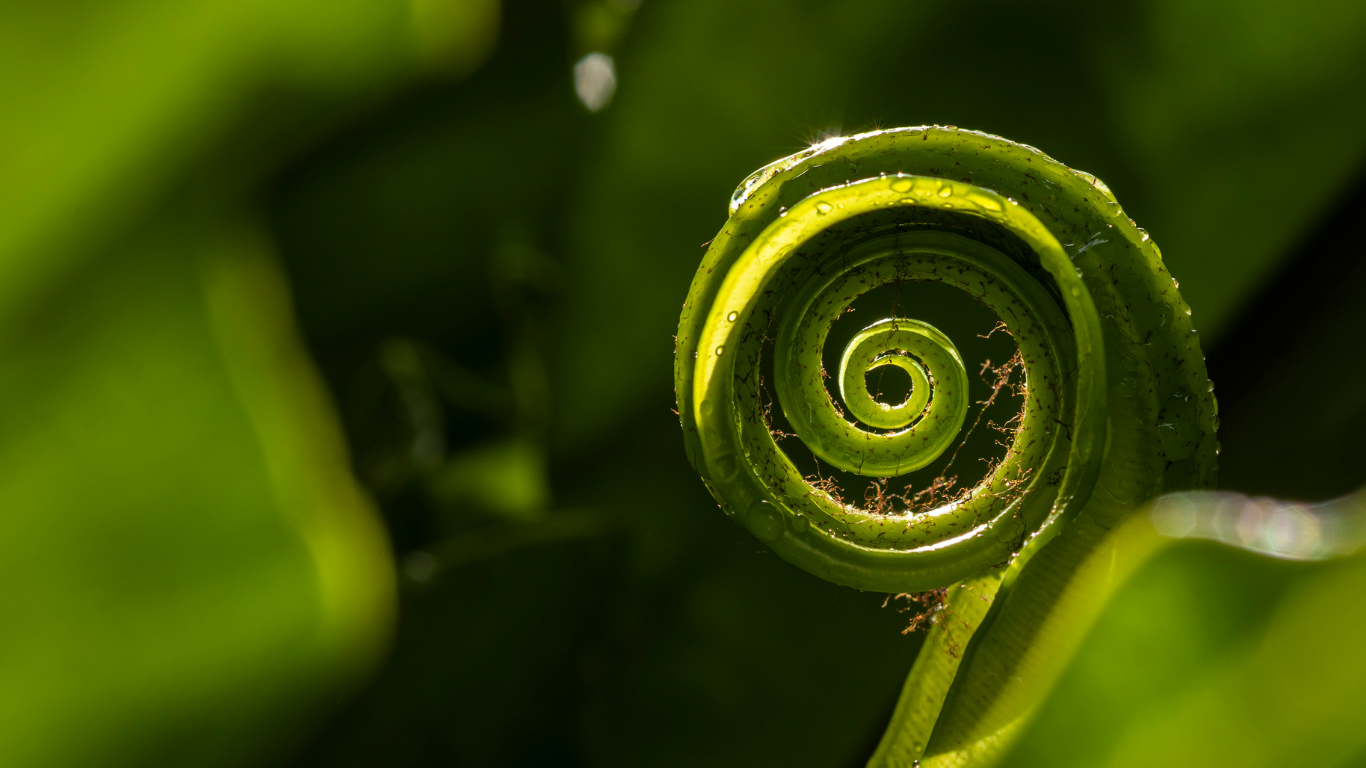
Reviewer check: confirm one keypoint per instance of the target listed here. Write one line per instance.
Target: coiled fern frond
(1117, 406)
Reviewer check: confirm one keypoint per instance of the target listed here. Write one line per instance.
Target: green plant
(1117, 405)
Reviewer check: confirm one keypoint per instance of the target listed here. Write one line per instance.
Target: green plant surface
(189, 567)
(1117, 409)
(1238, 649)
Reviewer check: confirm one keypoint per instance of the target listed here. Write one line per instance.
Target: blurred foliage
(1215, 656)
(486, 277)
(189, 568)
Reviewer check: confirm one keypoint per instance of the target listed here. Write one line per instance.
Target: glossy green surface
(1118, 407)
(915, 346)
(1242, 651)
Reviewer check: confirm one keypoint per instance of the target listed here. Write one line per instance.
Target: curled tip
(811, 233)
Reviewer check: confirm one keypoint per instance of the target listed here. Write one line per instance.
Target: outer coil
(1109, 355)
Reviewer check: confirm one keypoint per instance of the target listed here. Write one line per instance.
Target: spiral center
(889, 384)
(785, 270)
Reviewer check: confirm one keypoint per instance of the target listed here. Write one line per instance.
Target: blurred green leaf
(1211, 656)
(190, 570)
(187, 559)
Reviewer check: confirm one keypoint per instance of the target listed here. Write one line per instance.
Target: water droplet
(946, 191)
(732, 317)
(1075, 292)
(708, 407)
(902, 185)
(725, 466)
(721, 349)
(595, 80)
(765, 520)
(985, 203)
(823, 208)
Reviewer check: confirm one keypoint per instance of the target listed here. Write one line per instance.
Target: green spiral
(1117, 407)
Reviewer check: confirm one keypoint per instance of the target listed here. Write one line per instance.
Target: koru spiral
(1117, 407)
